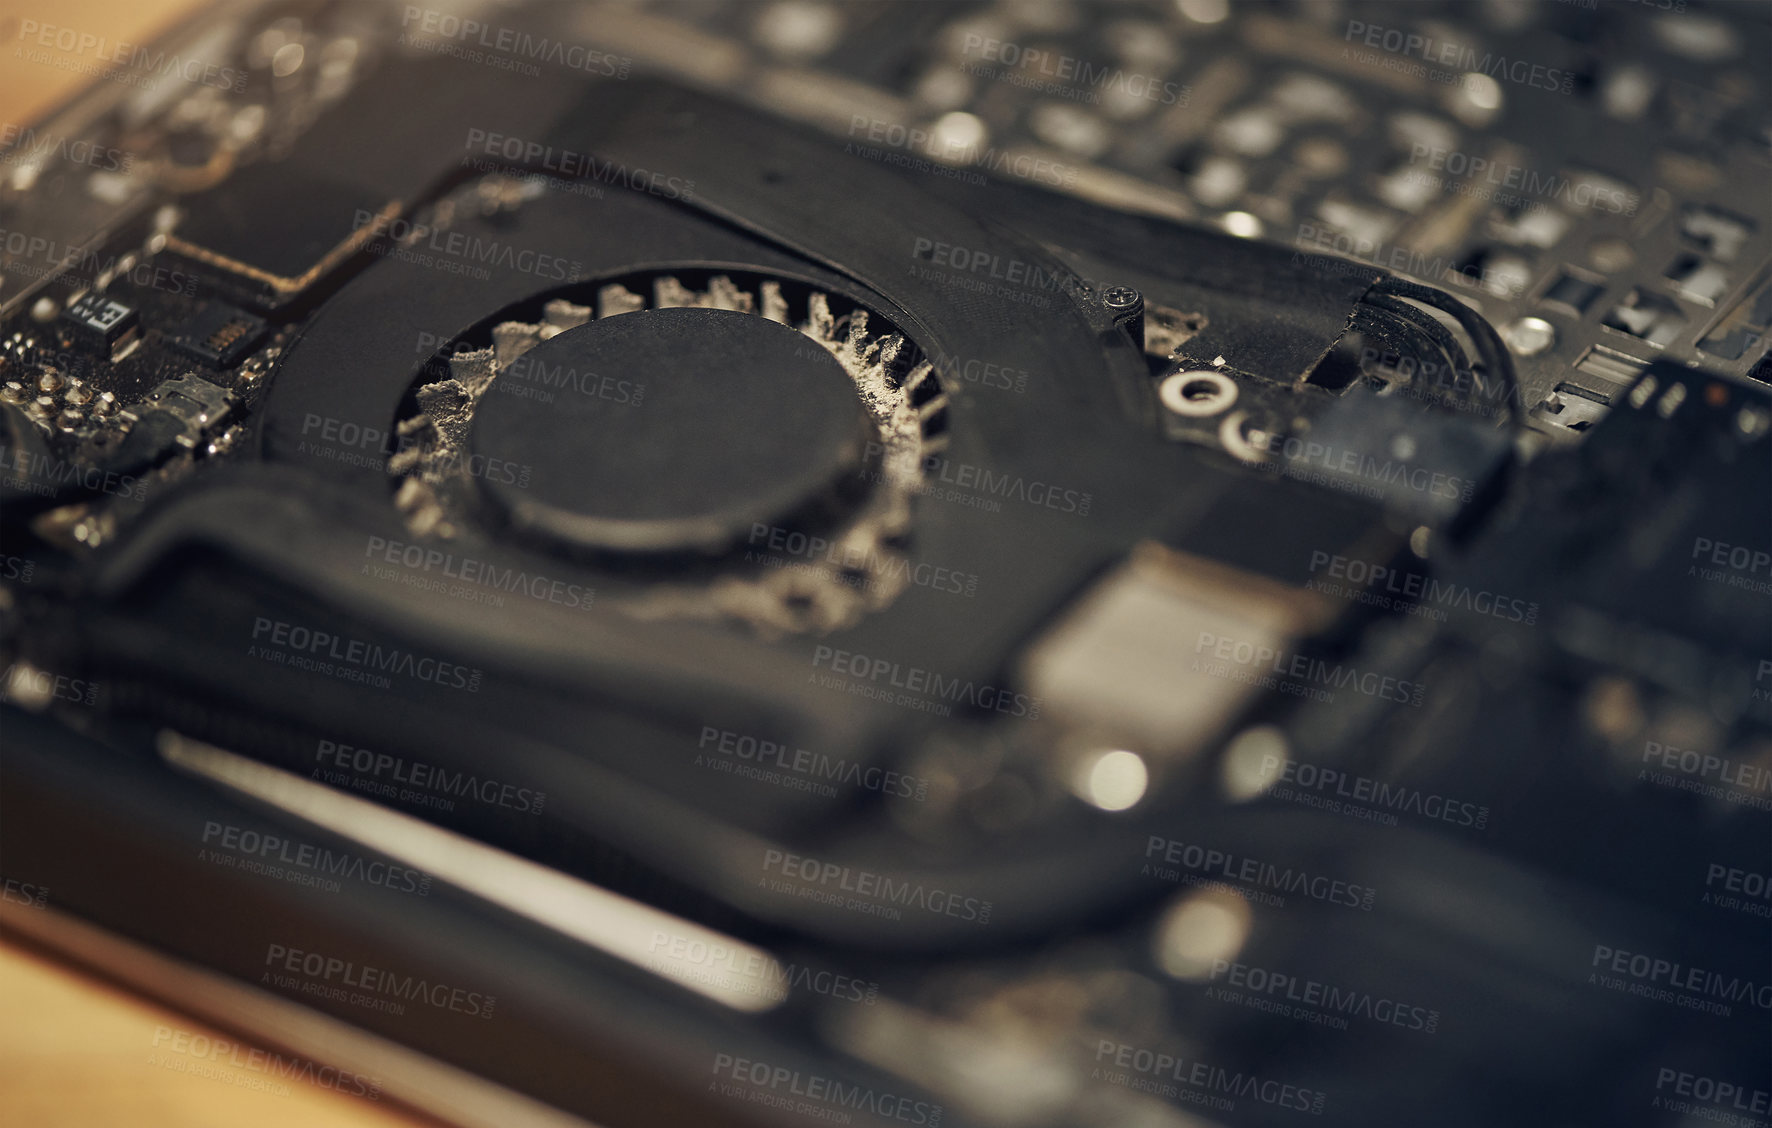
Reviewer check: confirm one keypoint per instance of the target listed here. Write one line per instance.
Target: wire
(1404, 336)
(1437, 333)
(1491, 352)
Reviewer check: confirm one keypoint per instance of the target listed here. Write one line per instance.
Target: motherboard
(1019, 563)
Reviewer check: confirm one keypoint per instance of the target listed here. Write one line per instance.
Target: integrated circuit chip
(99, 322)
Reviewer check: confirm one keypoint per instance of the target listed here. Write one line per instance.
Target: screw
(1123, 299)
(1127, 306)
(1530, 336)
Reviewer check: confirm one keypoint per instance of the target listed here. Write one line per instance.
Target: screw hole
(1198, 393)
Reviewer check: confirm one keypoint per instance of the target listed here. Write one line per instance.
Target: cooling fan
(754, 437)
(726, 409)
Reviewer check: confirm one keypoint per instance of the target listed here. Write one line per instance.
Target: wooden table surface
(77, 1052)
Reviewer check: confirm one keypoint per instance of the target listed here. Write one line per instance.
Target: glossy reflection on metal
(609, 922)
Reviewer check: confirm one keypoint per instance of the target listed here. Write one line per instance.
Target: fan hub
(668, 430)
